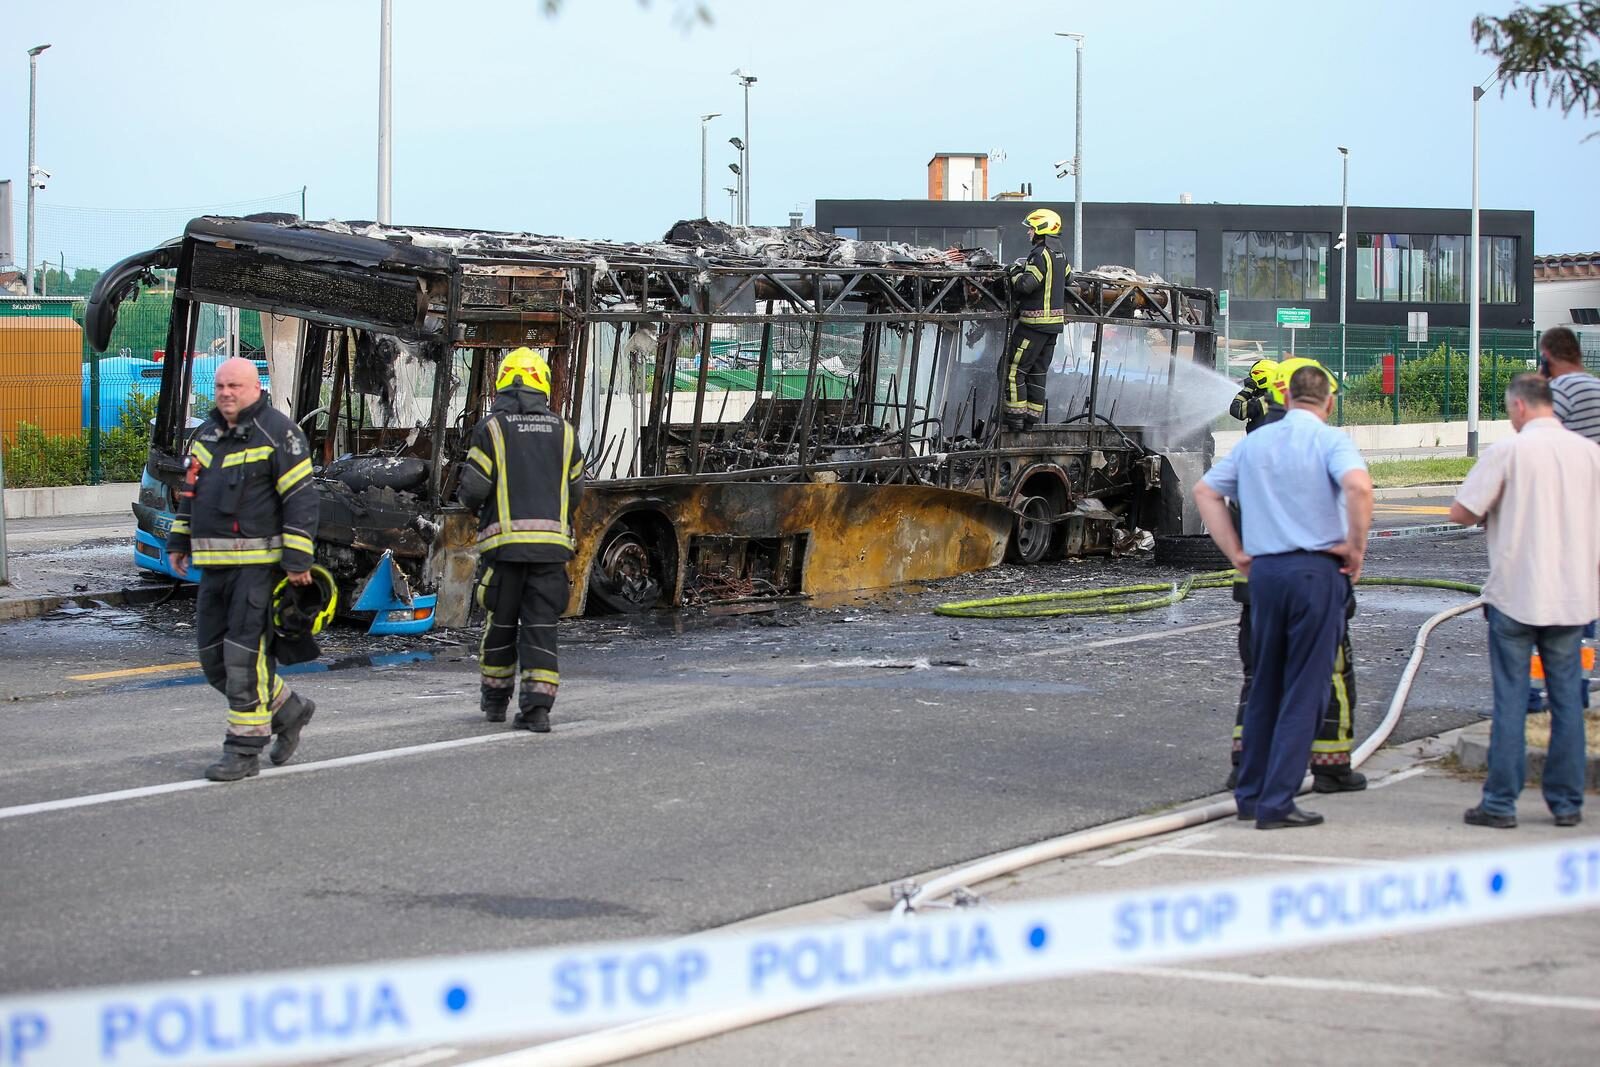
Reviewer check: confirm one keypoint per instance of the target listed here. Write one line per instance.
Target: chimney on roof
(958, 176)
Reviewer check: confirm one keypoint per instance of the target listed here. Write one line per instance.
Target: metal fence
(71, 417)
(1386, 378)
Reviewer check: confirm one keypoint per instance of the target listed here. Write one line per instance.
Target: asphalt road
(703, 769)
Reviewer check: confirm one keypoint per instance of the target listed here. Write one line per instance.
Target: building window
(1275, 264)
(1428, 268)
(849, 233)
(1586, 316)
(1168, 253)
(1498, 279)
(987, 238)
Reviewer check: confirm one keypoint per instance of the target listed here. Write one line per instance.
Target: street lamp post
(385, 112)
(738, 181)
(33, 169)
(704, 121)
(746, 79)
(1344, 264)
(1473, 360)
(1077, 161)
(1472, 290)
(733, 204)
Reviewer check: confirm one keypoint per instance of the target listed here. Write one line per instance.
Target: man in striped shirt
(1575, 391)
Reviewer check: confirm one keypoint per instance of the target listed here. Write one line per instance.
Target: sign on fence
(1417, 326)
(1294, 318)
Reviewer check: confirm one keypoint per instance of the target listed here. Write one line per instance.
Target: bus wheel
(625, 577)
(1033, 532)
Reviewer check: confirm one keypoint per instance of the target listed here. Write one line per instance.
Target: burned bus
(764, 413)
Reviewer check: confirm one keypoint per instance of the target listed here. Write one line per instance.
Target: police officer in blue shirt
(1306, 500)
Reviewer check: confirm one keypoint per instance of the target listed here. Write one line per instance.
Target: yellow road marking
(163, 668)
(1411, 509)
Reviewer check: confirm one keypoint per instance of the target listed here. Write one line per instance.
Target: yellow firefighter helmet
(526, 367)
(1044, 222)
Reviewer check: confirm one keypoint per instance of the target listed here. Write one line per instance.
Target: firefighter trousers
(1330, 751)
(522, 603)
(233, 627)
(1022, 373)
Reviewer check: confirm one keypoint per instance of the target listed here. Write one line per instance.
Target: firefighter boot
(294, 717)
(1343, 780)
(234, 765)
(493, 707)
(535, 719)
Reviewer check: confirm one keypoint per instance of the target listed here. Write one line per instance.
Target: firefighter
(1039, 282)
(523, 475)
(1330, 751)
(1254, 404)
(247, 515)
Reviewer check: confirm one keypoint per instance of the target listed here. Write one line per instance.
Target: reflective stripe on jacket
(254, 501)
(1041, 287)
(522, 473)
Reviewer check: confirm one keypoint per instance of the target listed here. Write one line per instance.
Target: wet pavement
(704, 767)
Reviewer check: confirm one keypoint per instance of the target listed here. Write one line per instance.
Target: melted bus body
(763, 413)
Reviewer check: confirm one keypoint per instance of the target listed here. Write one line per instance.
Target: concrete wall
(1554, 299)
(1406, 436)
(112, 497)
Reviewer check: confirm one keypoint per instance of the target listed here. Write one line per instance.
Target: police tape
(292, 1016)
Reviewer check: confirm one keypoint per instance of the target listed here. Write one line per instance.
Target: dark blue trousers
(1297, 615)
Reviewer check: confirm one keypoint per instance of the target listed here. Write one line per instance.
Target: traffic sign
(1417, 326)
(1294, 318)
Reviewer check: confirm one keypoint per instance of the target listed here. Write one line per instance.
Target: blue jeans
(1511, 643)
(1296, 618)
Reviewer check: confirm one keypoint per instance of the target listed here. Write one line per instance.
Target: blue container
(121, 376)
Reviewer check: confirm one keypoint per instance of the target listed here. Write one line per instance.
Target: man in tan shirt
(1538, 494)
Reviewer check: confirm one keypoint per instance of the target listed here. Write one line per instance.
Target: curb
(1416, 492)
(1472, 752)
(33, 607)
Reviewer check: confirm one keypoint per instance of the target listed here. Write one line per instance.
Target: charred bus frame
(900, 474)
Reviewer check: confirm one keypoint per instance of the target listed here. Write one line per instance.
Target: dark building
(1267, 257)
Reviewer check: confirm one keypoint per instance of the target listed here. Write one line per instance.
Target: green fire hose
(1109, 601)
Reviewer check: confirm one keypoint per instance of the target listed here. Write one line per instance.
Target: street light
(733, 199)
(385, 111)
(1476, 267)
(1077, 162)
(738, 213)
(1344, 263)
(746, 79)
(704, 121)
(36, 178)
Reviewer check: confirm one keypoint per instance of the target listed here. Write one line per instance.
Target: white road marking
(1397, 776)
(1276, 857)
(421, 1059)
(359, 758)
(1381, 989)
(1175, 845)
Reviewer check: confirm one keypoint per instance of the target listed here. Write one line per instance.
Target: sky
(586, 123)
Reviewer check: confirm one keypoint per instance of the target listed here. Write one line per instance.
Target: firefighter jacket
(248, 494)
(522, 474)
(1254, 406)
(1040, 286)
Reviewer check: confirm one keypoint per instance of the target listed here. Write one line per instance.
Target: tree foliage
(686, 14)
(1553, 50)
